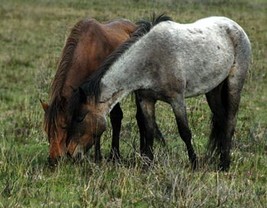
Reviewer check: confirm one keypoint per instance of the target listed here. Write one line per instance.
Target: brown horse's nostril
(52, 162)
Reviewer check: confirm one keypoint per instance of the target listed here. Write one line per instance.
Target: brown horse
(88, 44)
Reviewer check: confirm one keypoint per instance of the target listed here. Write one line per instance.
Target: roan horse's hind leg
(116, 116)
(224, 102)
(179, 110)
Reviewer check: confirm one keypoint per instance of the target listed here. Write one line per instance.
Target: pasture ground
(32, 35)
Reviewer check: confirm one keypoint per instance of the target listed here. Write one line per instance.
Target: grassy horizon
(32, 36)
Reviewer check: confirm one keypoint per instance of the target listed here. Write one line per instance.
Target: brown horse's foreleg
(179, 110)
(146, 126)
(98, 155)
(116, 116)
(141, 121)
(158, 134)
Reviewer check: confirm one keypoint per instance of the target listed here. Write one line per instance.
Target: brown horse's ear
(44, 105)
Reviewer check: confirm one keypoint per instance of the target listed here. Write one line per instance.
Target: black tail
(219, 119)
(220, 139)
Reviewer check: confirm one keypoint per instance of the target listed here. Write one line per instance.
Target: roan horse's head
(55, 127)
(86, 124)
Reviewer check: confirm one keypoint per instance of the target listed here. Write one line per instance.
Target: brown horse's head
(85, 122)
(55, 127)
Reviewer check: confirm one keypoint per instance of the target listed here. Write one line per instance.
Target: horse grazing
(88, 44)
(168, 62)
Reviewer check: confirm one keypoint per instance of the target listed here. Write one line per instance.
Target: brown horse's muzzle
(57, 150)
(52, 162)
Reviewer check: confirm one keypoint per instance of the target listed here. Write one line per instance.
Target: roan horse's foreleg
(179, 109)
(148, 107)
(116, 116)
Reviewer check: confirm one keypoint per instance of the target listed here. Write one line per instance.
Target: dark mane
(91, 88)
(57, 102)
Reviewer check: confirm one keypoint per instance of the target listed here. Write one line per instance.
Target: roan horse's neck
(122, 78)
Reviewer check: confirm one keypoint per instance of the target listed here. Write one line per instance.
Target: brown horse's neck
(87, 46)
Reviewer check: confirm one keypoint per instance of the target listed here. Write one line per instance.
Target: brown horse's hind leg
(116, 116)
(179, 109)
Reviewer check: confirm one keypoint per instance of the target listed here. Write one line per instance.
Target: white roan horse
(168, 61)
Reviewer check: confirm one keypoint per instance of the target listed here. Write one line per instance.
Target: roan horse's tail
(224, 99)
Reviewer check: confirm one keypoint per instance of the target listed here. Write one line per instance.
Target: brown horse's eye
(80, 118)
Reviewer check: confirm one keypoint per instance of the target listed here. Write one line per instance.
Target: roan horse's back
(202, 54)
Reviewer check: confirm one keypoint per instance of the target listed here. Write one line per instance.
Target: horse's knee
(116, 114)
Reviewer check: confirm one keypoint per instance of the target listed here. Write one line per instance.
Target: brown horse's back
(96, 42)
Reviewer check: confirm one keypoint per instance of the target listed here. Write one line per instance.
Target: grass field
(32, 35)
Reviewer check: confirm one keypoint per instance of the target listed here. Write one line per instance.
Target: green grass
(32, 35)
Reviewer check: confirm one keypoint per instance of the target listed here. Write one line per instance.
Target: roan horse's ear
(83, 96)
(44, 105)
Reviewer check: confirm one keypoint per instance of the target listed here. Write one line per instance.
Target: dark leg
(146, 121)
(141, 121)
(98, 156)
(179, 110)
(116, 116)
(158, 134)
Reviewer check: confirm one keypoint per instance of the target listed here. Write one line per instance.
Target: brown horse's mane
(91, 88)
(57, 100)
